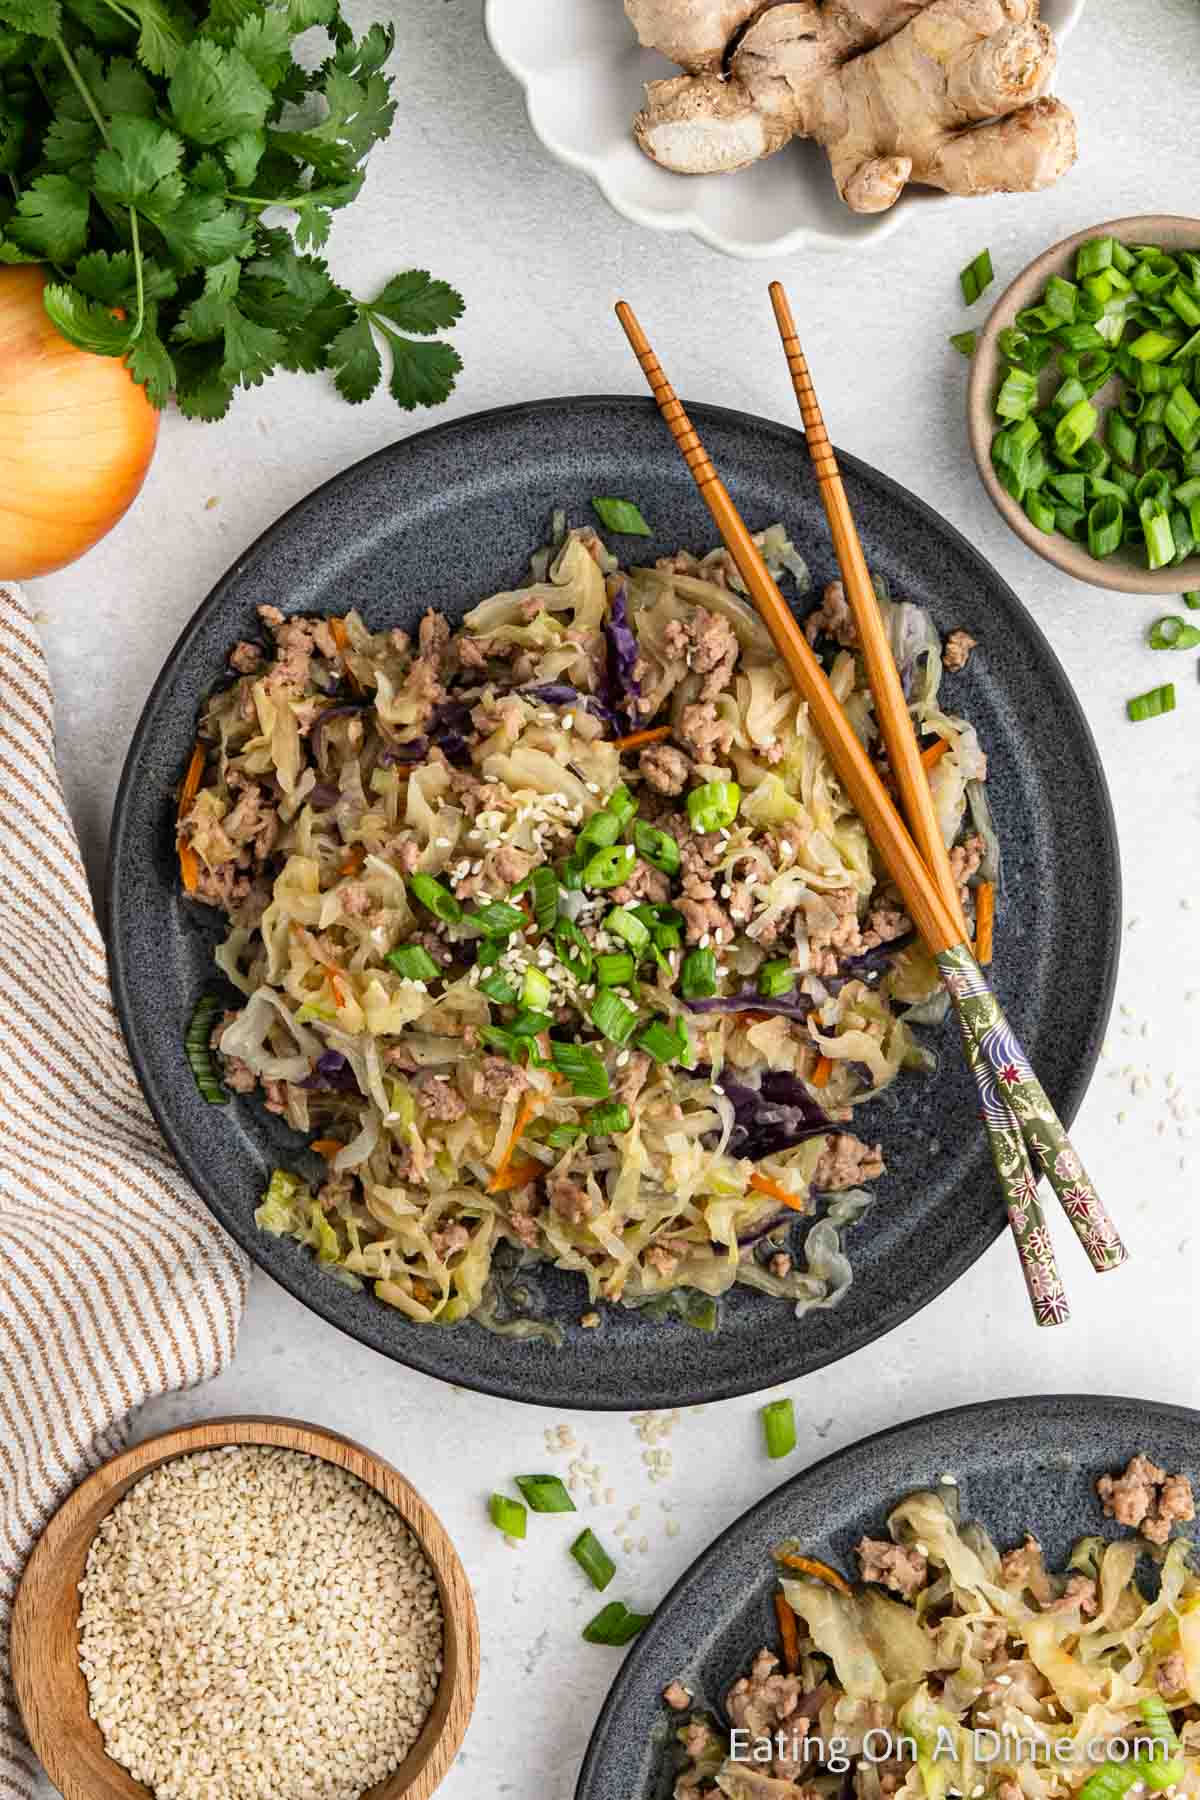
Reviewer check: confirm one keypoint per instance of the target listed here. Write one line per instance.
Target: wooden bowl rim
(461, 1622)
(1058, 550)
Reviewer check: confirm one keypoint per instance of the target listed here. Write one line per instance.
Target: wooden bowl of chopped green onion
(1084, 405)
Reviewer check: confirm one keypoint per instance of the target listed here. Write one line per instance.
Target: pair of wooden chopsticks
(1017, 1114)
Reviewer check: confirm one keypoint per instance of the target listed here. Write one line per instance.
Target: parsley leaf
(51, 218)
(415, 302)
(150, 363)
(422, 374)
(355, 361)
(43, 18)
(124, 89)
(265, 40)
(87, 323)
(140, 167)
(215, 94)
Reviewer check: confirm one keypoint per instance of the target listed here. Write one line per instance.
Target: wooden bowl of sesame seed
(258, 1535)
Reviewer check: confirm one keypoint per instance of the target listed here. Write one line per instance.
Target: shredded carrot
(515, 1176)
(341, 638)
(326, 1147)
(788, 1633)
(822, 1072)
(422, 1293)
(636, 739)
(765, 1185)
(335, 983)
(500, 1181)
(985, 921)
(935, 752)
(189, 862)
(808, 1565)
(353, 862)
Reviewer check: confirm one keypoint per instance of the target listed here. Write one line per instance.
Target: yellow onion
(76, 436)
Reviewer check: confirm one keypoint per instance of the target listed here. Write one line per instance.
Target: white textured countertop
(463, 188)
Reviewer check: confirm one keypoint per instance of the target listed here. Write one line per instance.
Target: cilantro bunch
(141, 144)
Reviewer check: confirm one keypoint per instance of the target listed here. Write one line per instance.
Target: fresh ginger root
(947, 93)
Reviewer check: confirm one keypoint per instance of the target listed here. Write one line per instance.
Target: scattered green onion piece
(1188, 349)
(1192, 599)
(593, 1559)
(1111, 1782)
(615, 969)
(658, 847)
(197, 1046)
(1040, 512)
(1105, 527)
(1182, 418)
(1036, 321)
(625, 924)
(1092, 257)
(498, 989)
(598, 832)
(964, 342)
(1018, 395)
(1092, 457)
(1187, 491)
(609, 868)
(413, 963)
(502, 1041)
(698, 975)
(714, 806)
(544, 1493)
(583, 1068)
(488, 952)
(1098, 288)
(1152, 346)
(1182, 533)
(1068, 395)
(615, 1625)
(1060, 296)
(1075, 427)
(1160, 539)
(530, 1021)
(560, 1137)
(543, 886)
(621, 804)
(1156, 378)
(977, 277)
(779, 1428)
(622, 516)
(1080, 337)
(775, 978)
(602, 1121)
(1011, 343)
(535, 990)
(612, 1018)
(573, 950)
(496, 918)
(1173, 633)
(1072, 487)
(507, 1515)
(1155, 484)
(1071, 522)
(660, 1042)
(435, 898)
(668, 937)
(1153, 704)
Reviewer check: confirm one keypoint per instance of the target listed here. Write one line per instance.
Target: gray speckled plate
(449, 516)
(1021, 1465)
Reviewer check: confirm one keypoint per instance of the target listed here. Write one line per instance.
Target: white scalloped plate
(582, 71)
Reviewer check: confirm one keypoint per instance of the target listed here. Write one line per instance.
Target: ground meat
(471, 653)
(664, 1261)
(333, 1193)
(895, 1566)
(570, 1201)
(405, 853)
(762, 1701)
(234, 1072)
(957, 651)
(224, 886)
(965, 859)
(632, 1078)
(828, 949)
(1079, 1594)
(399, 1058)
(449, 1240)
(780, 1264)
(501, 868)
(644, 883)
(1024, 1568)
(846, 1162)
(433, 636)
(356, 901)
(697, 1738)
(276, 1100)
(245, 658)
(676, 1695)
(1170, 1676)
(705, 918)
(441, 1100)
(703, 734)
(507, 715)
(498, 1080)
(1147, 1498)
(295, 644)
(423, 688)
(707, 643)
(833, 619)
(665, 768)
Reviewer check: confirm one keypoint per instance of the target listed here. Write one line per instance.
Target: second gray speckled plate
(1021, 1465)
(451, 515)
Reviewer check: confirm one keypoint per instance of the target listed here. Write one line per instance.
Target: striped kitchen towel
(115, 1282)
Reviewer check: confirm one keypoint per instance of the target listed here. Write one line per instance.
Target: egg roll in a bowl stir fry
(558, 936)
(952, 1669)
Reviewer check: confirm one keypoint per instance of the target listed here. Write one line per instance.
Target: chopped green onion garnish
(1150, 706)
(412, 962)
(593, 1559)
(1160, 539)
(545, 1493)
(198, 1049)
(964, 342)
(496, 918)
(612, 1018)
(779, 1427)
(1152, 346)
(615, 1625)
(660, 1042)
(1181, 416)
(1060, 297)
(698, 975)
(609, 868)
(573, 949)
(1172, 633)
(602, 829)
(498, 989)
(1040, 512)
(1105, 527)
(582, 1068)
(1192, 599)
(435, 898)
(714, 806)
(621, 804)
(529, 1022)
(1093, 256)
(560, 1137)
(507, 1515)
(622, 516)
(1018, 395)
(602, 1120)
(776, 978)
(1075, 427)
(543, 886)
(976, 277)
(658, 847)
(668, 937)
(535, 990)
(625, 924)
(615, 968)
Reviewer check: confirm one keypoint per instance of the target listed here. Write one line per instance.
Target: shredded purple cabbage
(747, 1238)
(324, 795)
(748, 999)
(771, 1118)
(331, 1070)
(876, 962)
(344, 710)
(414, 751)
(623, 687)
(561, 693)
(449, 723)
